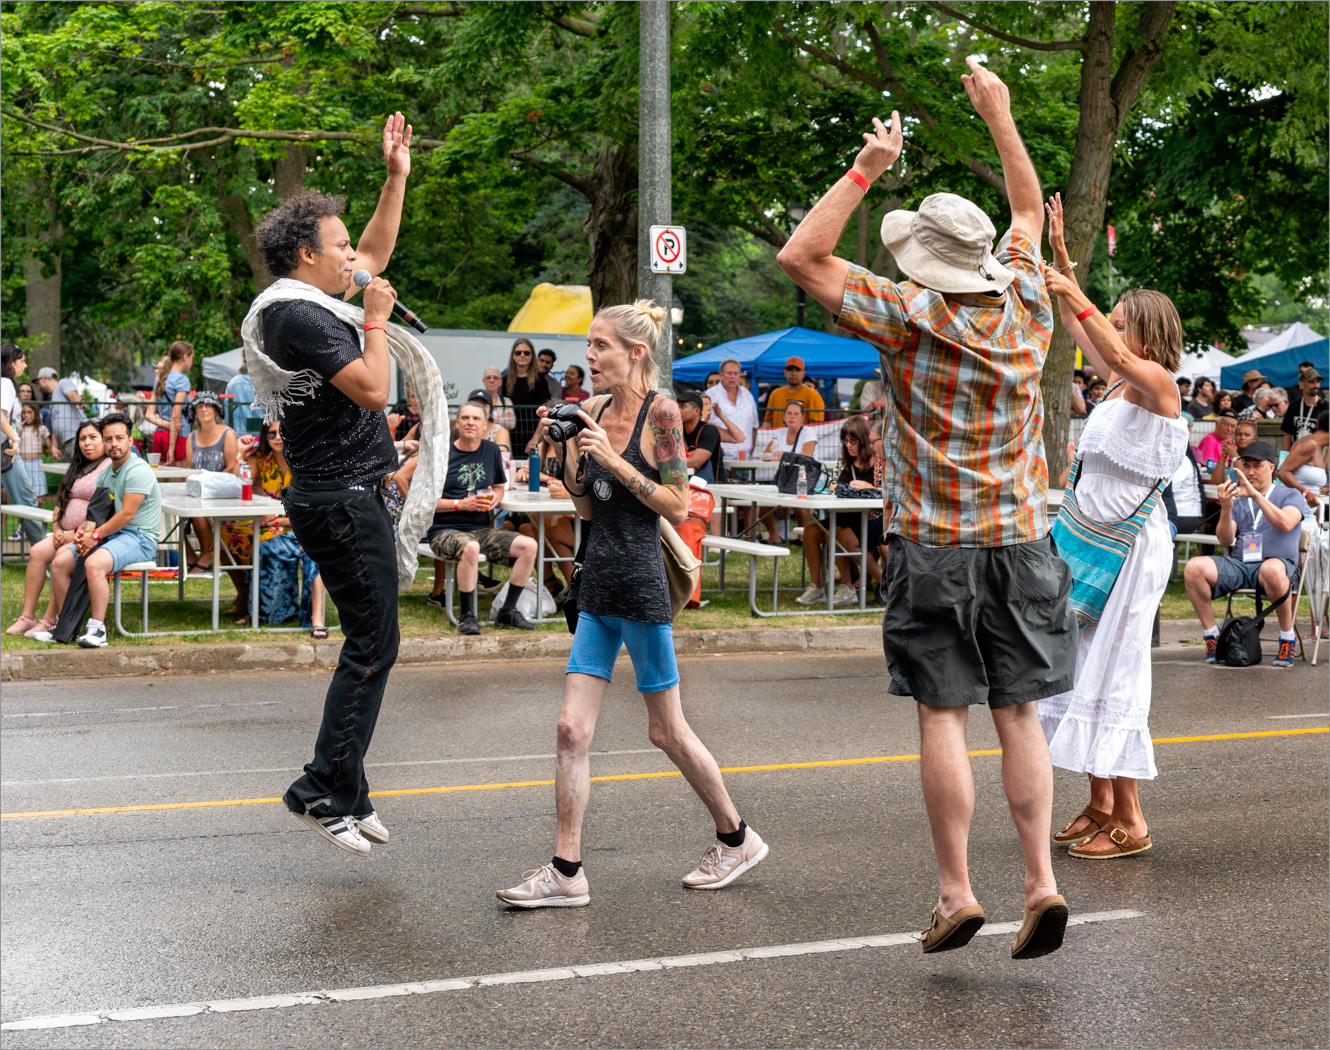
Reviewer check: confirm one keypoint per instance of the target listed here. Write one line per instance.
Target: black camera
(563, 421)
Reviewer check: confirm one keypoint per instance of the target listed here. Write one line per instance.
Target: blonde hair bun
(648, 307)
(641, 322)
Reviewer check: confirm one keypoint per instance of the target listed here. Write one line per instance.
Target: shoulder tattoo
(667, 442)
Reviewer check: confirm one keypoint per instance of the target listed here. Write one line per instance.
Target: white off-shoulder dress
(1100, 725)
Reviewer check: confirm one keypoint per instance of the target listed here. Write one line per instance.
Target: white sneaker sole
(378, 838)
(548, 902)
(747, 865)
(307, 819)
(85, 643)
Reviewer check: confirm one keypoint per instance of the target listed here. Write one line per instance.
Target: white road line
(1313, 714)
(287, 769)
(139, 710)
(561, 973)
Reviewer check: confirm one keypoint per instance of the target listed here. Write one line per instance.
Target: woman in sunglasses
(527, 388)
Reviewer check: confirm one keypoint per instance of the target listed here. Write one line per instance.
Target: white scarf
(275, 387)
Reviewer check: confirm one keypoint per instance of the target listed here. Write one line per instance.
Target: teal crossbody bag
(1095, 550)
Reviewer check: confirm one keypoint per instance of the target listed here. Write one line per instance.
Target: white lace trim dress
(1100, 725)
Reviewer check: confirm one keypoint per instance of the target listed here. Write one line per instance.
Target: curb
(29, 665)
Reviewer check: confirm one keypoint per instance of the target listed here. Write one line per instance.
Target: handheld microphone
(363, 277)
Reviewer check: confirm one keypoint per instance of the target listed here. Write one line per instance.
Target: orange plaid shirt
(964, 414)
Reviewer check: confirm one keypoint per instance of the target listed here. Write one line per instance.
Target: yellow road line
(608, 779)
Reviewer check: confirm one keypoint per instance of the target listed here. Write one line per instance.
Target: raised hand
(987, 93)
(1058, 284)
(397, 145)
(881, 148)
(1055, 230)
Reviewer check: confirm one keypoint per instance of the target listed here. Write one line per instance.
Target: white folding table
(539, 506)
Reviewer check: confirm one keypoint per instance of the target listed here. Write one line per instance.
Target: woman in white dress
(1133, 438)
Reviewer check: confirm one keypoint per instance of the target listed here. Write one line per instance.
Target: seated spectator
(1299, 417)
(1184, 389)
(504, 413)
(210, 445)
(462, 529)
(1094, 393)
(1245, 397)
(493, 431)
(282, 562)
(573, 390)
(545, 365)
(245, 418)
(729, 431)
(130, 535)
(1231, 449)
(1210, 450)
(792, 440)
(1304, 467)
(1224, 403)
(701, 439)
(1278, 402)
(560, 536)
(71, 509)
(1202, 403)
(1184, 497)
(860, 468)
(1261, 522)
(405, 423)
(713, 379)
(1263, 404)
(795, 389)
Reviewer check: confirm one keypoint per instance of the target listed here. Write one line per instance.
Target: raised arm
(380, 235)
(1063, 264)
(993, 103)
(809, 255)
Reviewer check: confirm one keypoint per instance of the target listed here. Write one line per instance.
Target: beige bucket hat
(947, 245)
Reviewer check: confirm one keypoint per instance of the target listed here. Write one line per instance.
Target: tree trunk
(236, 210)
(611, 227)
(288, 175)
(42, 281)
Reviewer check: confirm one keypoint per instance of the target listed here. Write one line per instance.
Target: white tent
(217, 371)
(1204, 365)
(1296, 334)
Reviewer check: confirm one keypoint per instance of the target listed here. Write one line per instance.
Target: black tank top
(623, 574)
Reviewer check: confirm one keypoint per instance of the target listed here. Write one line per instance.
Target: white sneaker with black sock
(94, 637)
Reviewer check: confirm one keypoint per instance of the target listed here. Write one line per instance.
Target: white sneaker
(721, 864)
(372, 828)
(547, 888)
(845, 595)
(340, 831)
(812, 596)
(44, 636)
(94, 637)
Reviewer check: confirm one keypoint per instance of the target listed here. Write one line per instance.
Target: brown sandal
(1124, 845)
(946, 933)
(1098, 821)
(1042, 930)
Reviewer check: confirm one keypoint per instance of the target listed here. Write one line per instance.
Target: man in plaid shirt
(977, 607)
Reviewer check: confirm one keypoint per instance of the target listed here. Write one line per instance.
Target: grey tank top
(210, 457)
(623, 574)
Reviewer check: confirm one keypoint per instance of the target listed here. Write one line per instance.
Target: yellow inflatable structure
(557, 309)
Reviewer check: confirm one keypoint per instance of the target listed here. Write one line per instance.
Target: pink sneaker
(22, 625)
(37, 628)
(547, 888)
(720, 864)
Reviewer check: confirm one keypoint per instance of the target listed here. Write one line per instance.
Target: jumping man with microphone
(339, 449)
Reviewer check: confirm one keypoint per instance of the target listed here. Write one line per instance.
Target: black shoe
(468, 624)
(486, 584)
(436, 600)
(514, 618)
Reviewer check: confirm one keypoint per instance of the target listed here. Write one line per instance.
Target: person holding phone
(462, 528)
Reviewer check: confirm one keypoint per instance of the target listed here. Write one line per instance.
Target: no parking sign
(669, 249)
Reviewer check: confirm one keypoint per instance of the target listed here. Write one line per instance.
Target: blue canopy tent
(1278, 359)
(763, 356)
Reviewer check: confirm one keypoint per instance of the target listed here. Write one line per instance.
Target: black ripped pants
(349, 534)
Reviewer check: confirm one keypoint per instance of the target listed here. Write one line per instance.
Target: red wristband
(1085, 313)
(854, 176)
(376, 324)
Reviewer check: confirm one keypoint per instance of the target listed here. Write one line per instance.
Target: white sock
(1212, 632)
(93, 625)
(1288, 636)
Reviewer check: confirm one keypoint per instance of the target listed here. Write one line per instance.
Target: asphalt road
(1217, 937)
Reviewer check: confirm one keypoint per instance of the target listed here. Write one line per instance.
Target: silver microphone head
(361, 278)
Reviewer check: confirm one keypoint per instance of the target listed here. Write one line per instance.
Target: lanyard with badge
(1251, 549)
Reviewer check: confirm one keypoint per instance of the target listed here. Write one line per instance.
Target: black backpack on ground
(1240, 637)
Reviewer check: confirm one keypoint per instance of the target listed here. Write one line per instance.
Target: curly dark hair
(294, 224)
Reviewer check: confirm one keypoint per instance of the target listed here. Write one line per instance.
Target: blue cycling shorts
(650, 646)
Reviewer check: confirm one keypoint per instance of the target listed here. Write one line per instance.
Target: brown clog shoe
(1098, 821)
(1124, 845)
(1042, 930)
(946, 933)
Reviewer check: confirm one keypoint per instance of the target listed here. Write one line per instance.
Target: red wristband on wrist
(1085, 313)
(376, 324)
(854, 176)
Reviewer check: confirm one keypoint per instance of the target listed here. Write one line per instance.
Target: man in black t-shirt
(462, 529)
(339, 449)
(702, 439)
(1300, 419)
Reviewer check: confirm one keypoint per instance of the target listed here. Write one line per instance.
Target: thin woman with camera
(625, 471)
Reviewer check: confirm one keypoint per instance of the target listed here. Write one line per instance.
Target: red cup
(247, 492)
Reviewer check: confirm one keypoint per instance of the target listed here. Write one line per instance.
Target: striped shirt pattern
(964, 414)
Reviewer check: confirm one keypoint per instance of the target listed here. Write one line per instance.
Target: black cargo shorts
(976, 625)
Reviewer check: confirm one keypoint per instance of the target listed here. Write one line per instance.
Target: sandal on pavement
(946, 933)
(1098, 821)
(1042, 930)
(1124, 845)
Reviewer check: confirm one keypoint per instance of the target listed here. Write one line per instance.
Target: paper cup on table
(154, 459)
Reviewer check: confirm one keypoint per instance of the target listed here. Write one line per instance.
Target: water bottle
(801, 486)
(533, 469)
(246, 481)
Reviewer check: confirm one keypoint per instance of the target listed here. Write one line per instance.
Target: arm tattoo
(668, 443)
(640, 486)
